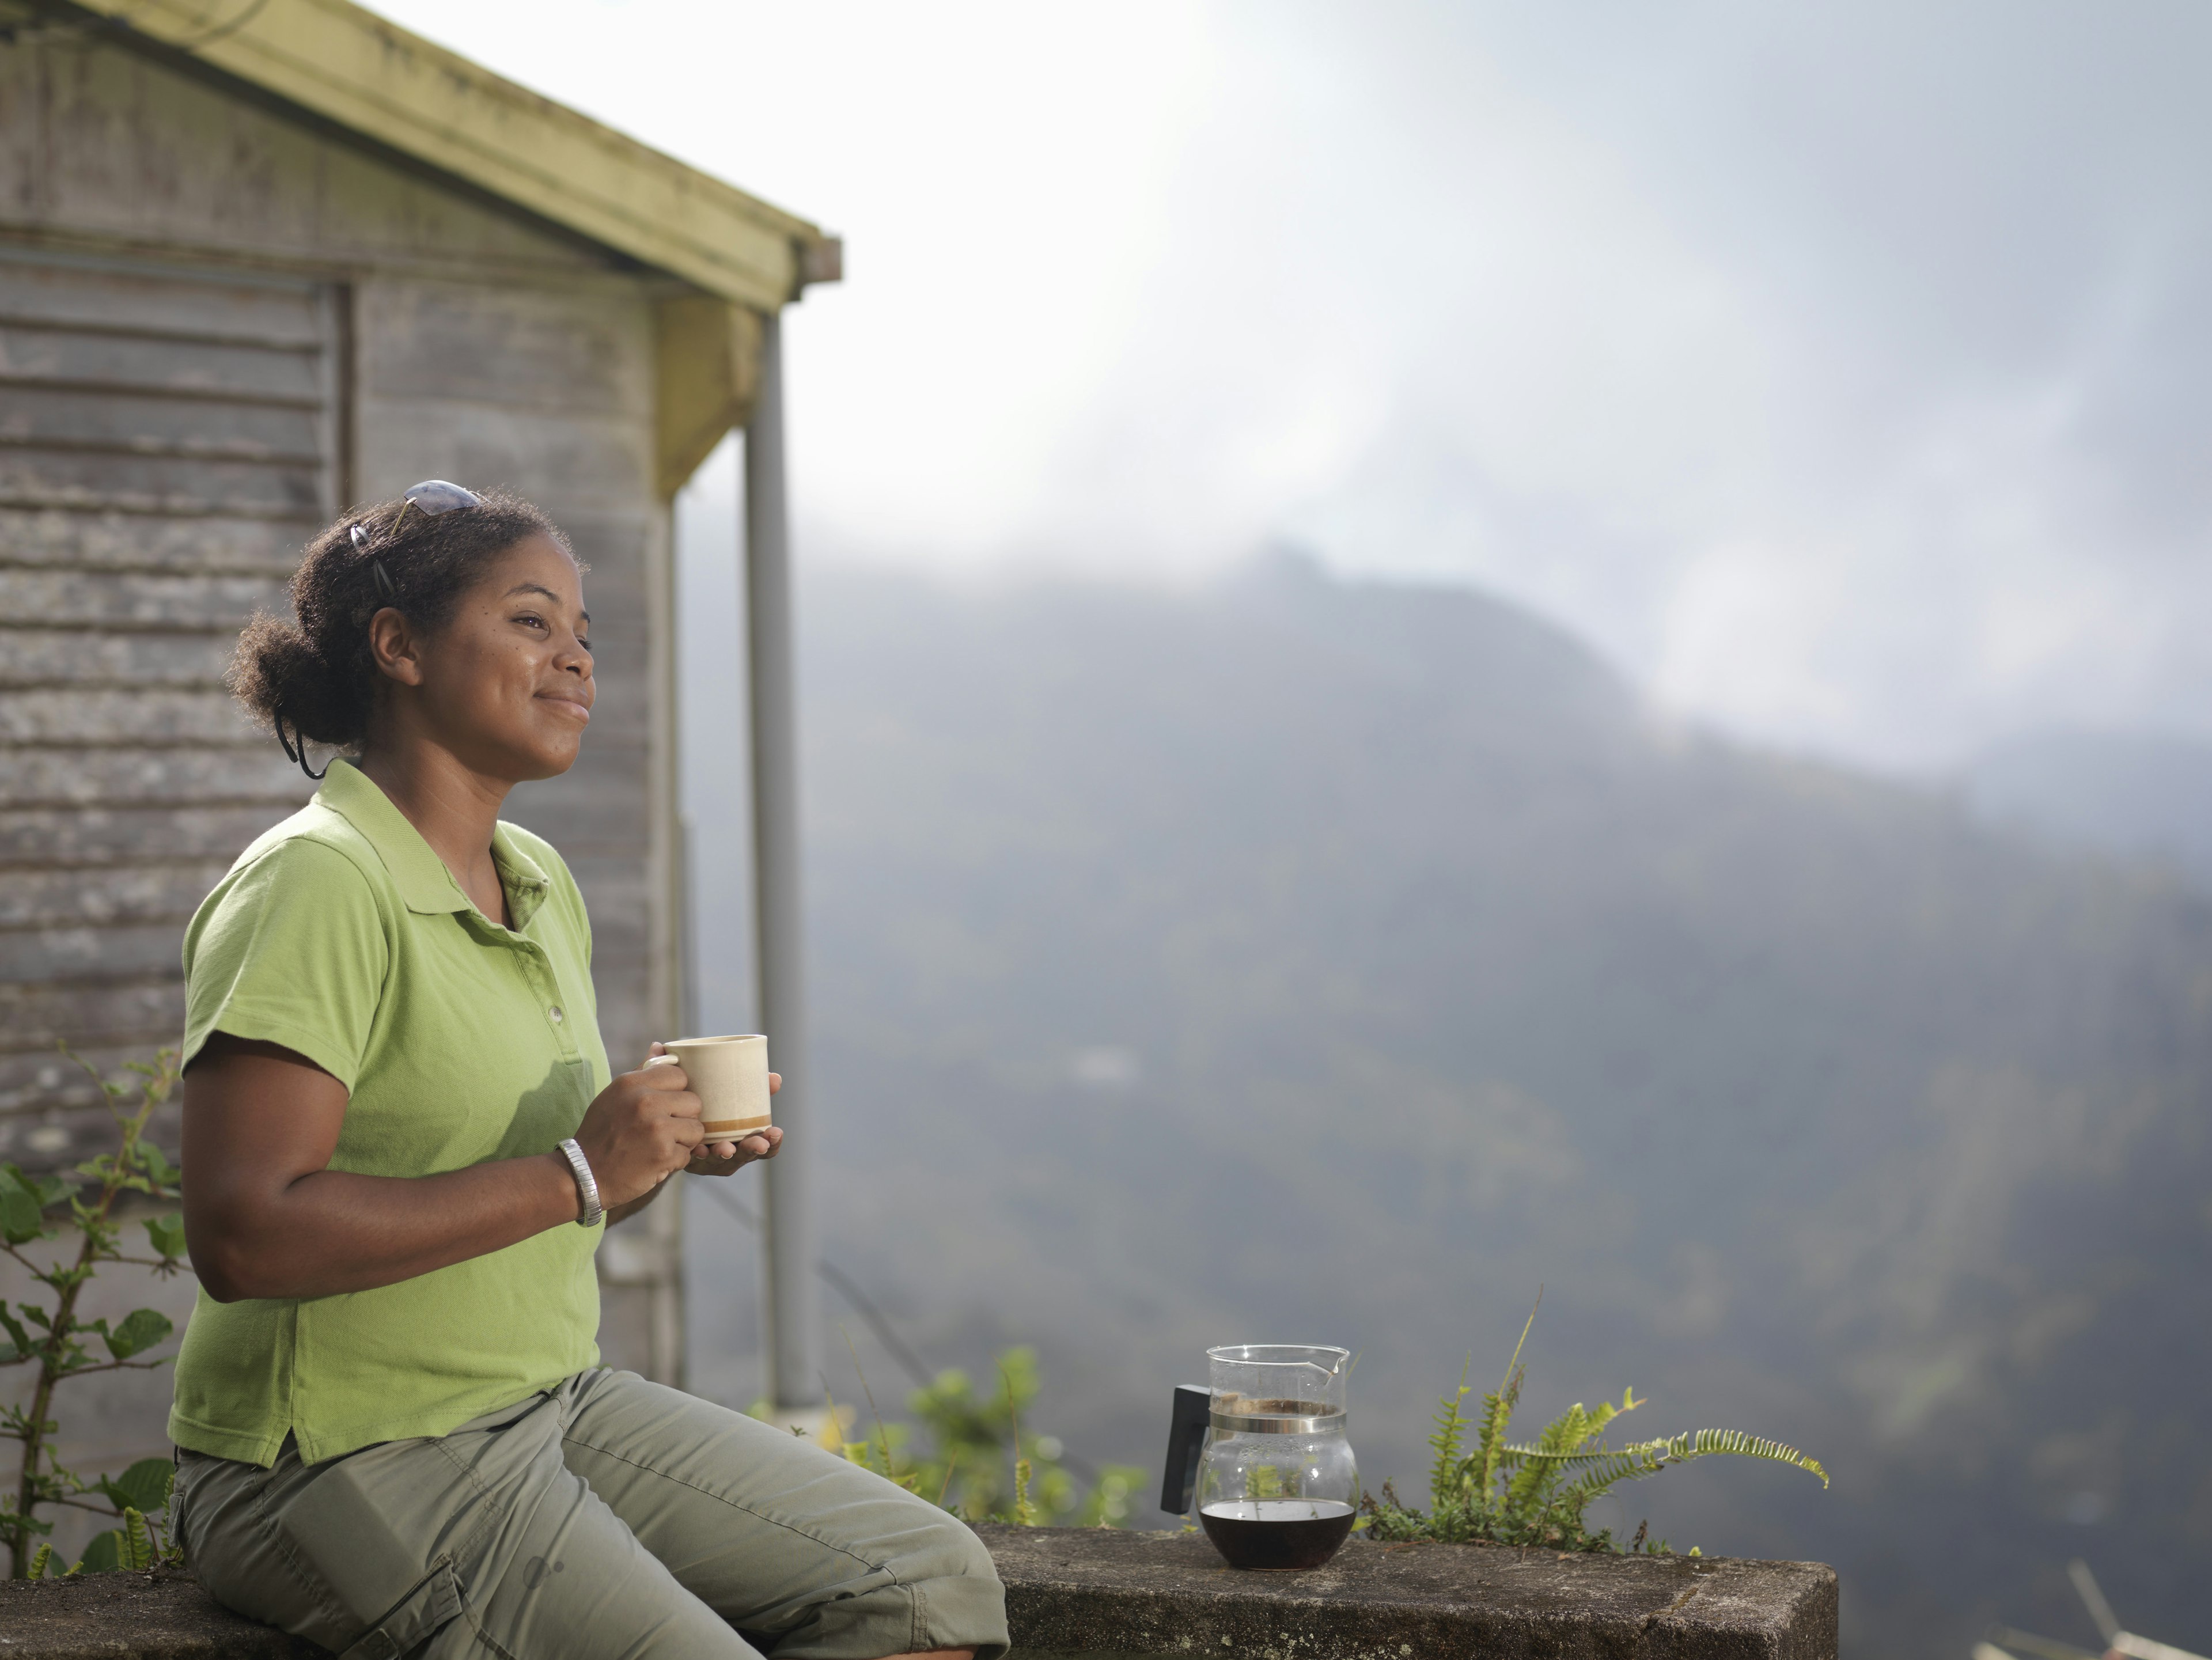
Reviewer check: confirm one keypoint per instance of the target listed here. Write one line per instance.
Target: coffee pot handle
(1186, 1440)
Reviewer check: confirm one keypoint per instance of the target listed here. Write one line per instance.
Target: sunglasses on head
(432, 496)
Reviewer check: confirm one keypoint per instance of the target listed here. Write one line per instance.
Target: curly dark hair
(315, 675)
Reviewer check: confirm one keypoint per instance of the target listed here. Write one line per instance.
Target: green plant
(50, 1336)
(1537, 1494)
(978, 1461)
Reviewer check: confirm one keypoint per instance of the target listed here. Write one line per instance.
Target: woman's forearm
(266, 1217)
(331, 1230)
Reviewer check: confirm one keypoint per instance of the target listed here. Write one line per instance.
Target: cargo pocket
(428, 1609)
(368, 1530)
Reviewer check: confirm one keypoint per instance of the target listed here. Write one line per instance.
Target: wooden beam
(707, 352)
(351, 67)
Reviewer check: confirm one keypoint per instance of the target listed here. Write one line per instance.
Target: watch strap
(587, 1187)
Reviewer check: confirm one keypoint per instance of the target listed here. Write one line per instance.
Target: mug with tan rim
(729, 1077)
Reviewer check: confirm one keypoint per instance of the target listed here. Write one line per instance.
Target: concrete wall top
(1110, 1595)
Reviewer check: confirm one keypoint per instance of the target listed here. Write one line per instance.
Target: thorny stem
(34, 1432)
(97, 1246)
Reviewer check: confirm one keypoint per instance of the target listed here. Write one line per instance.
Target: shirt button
(556, 1012)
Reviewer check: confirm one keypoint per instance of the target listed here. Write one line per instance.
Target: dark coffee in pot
(1276, 1533)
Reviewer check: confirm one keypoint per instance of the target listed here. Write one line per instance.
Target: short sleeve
(291, 948)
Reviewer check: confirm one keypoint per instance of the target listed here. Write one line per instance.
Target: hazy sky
(1841, 371)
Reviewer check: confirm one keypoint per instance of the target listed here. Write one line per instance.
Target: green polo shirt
(341, 934)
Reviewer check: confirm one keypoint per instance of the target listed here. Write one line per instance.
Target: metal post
(788, 1256)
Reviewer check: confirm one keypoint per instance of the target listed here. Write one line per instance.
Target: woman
(394, 1436)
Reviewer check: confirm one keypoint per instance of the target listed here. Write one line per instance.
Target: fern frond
(1738, 1445)
(1599, 1478)
(1446, 1439)
(1528, 1481)
(138, 1550)
(1533, 1472)
(1673, 1450)
(37, 1569)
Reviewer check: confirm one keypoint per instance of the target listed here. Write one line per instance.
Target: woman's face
(507, 685)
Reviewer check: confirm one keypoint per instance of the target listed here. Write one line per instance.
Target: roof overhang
(353, 68)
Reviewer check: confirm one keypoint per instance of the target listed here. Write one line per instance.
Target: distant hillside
(1302, 961)
(2133, 795)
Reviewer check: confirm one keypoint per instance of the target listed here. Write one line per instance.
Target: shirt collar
(526, 884)
(425, 884)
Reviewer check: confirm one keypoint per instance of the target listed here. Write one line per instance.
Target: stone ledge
(161, 1616)
(1112, 1596)
(1095, 1592)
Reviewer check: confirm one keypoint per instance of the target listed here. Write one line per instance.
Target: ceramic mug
(729, 1077)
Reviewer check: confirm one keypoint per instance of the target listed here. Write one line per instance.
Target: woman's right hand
(643, 1128)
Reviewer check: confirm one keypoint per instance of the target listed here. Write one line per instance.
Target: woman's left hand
(721, 1158)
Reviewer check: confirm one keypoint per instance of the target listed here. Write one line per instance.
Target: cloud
(1840, 371)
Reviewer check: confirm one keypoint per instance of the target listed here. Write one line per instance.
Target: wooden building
(260, 259)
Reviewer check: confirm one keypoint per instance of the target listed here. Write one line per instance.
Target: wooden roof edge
(363, 73)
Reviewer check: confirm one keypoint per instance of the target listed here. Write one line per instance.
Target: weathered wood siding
(168, 439)
(216, 328)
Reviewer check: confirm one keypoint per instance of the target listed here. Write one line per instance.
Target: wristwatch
(586, 1187)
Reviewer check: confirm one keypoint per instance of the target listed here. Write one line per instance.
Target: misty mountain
(2134, 795)
(1300, 961)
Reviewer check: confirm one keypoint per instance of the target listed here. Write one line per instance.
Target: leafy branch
(50, 1335)
(980, 1462)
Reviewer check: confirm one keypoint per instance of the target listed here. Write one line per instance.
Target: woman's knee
(955, 1551)
(962, 1604)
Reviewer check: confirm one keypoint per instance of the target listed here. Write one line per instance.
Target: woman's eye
(534, 621)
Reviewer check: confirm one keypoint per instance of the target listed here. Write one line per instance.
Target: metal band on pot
(1278, 1423)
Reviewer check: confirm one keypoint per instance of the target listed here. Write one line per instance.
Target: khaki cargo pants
(607, 1519)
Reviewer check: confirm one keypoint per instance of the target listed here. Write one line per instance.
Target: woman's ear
(394, 645)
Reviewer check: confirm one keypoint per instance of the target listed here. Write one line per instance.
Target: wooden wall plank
(516, 349)
(50, 778)
(234, 306)
(124, 952)
(167, 892)
(139, 715)
(206, 544)
(99, 835)
(34, 1017)
(148, 426)
(532, 452)
(149, 361)
(145, 484)
(125, 600)
(32, 657)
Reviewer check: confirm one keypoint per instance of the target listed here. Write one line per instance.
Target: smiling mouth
(581, 710)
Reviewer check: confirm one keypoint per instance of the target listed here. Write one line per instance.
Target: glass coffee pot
(1261, 1454)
